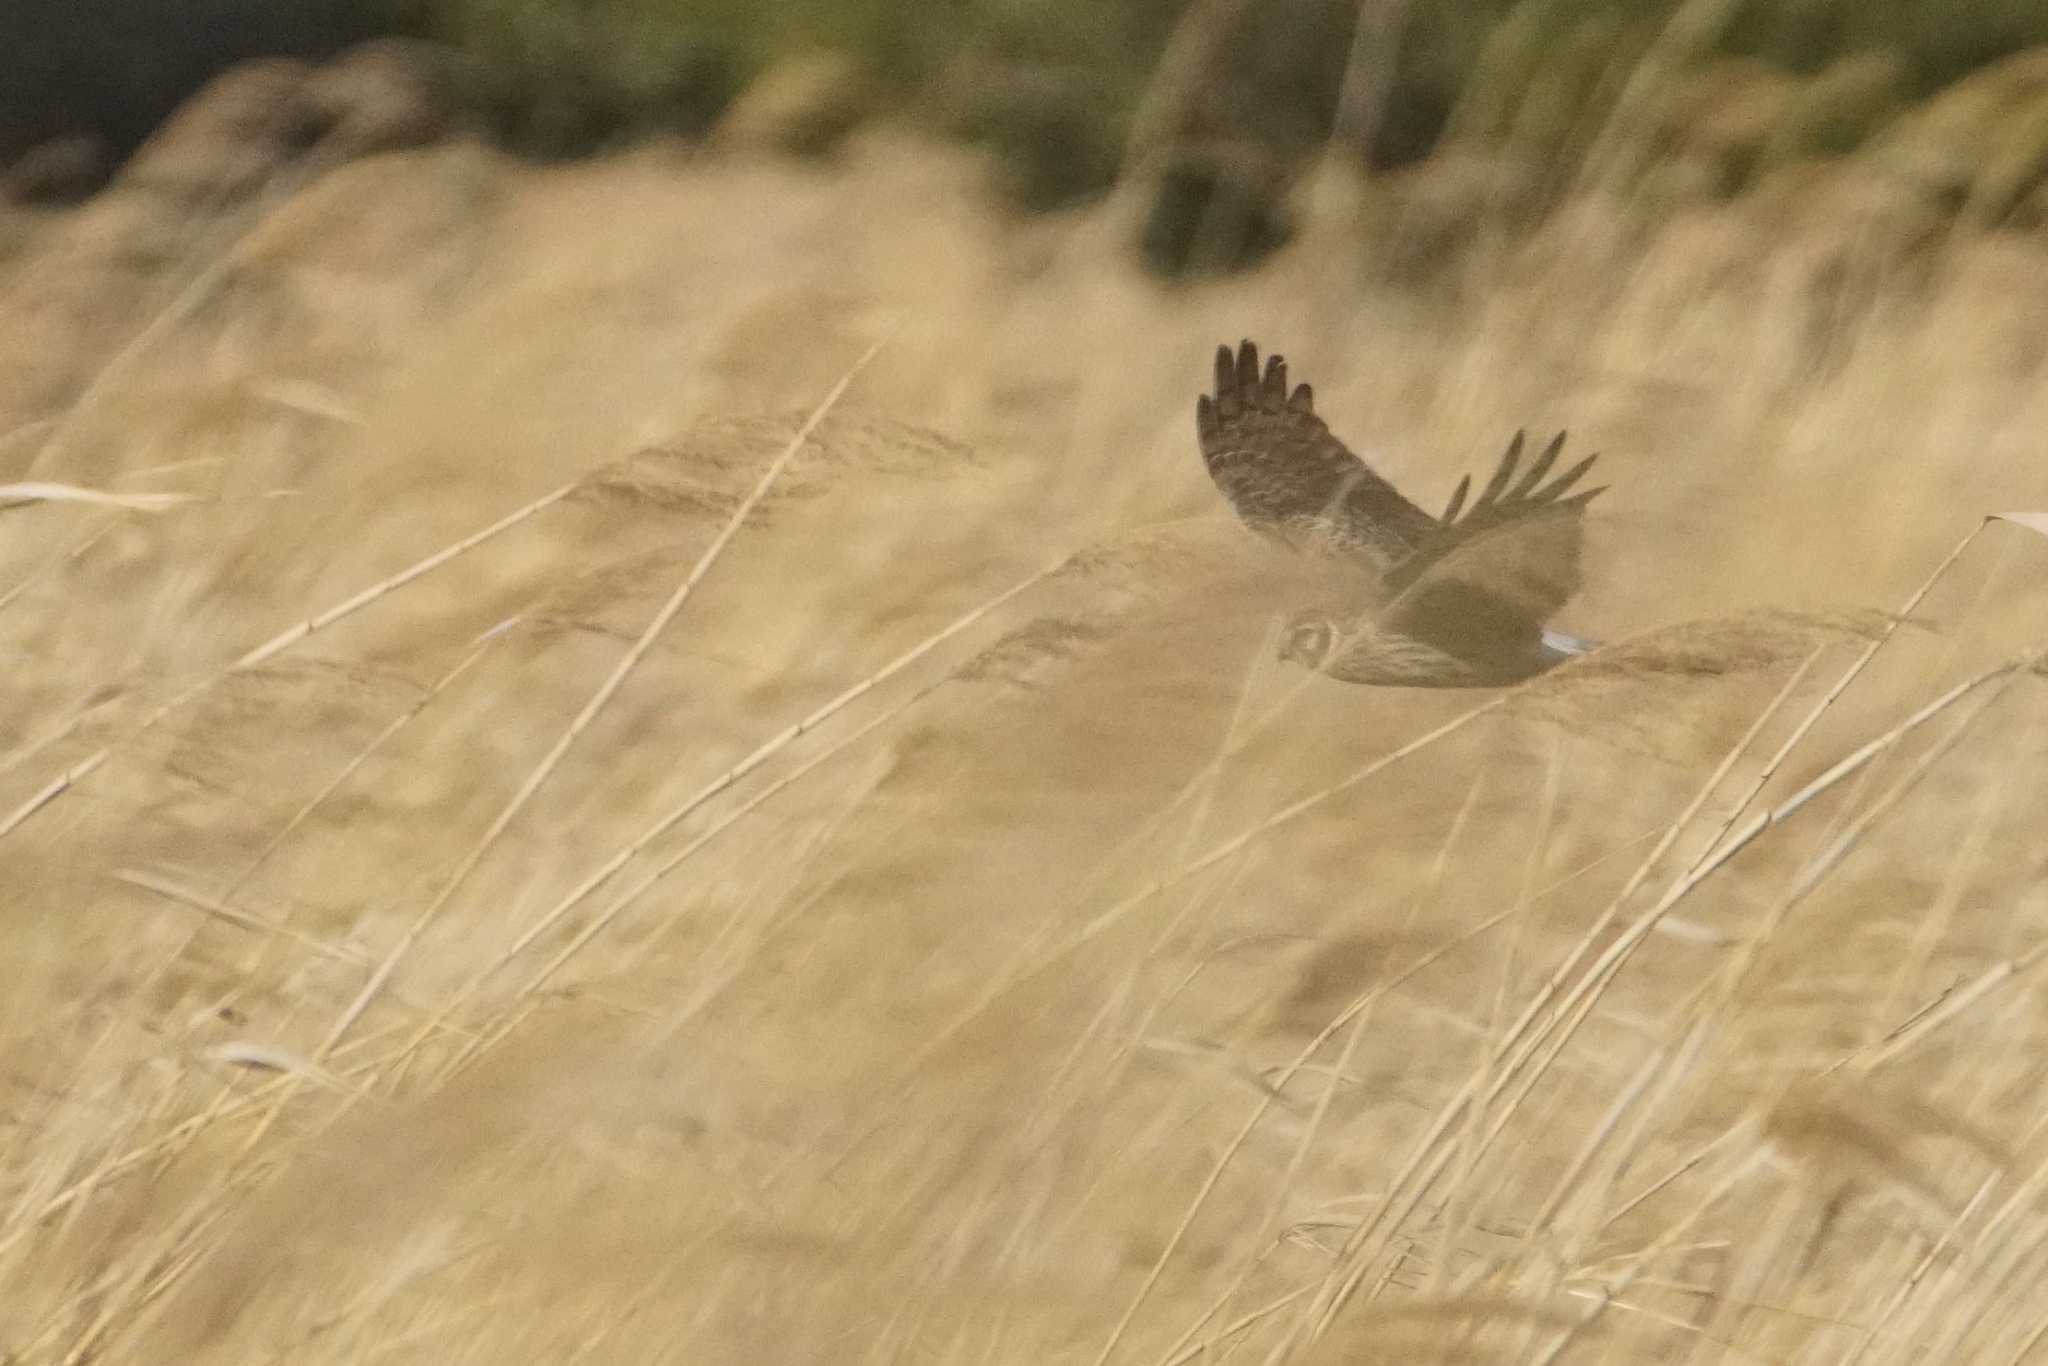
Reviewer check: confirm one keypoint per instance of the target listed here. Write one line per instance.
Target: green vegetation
(1234, 96)
(1939, 40)
(1058, 79)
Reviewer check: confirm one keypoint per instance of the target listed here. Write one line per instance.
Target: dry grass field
(698, 774)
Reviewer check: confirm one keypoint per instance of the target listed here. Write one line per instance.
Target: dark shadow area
(109, 71)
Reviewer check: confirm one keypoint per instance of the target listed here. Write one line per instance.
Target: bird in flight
(1457, 601)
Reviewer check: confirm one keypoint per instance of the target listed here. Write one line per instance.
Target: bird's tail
(1561, 646)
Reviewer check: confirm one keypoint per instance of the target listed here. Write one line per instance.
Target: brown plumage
(1452, 601)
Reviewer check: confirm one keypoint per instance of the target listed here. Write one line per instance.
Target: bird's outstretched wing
(1498, 572)
(1520, 543)
(1289, 478)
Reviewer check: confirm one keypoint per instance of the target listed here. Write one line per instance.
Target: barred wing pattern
(1288, 477)
(1462, 599)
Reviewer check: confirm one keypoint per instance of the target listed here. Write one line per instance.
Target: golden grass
(670, 845)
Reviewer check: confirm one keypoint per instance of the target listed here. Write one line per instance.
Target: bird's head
(1308, 639)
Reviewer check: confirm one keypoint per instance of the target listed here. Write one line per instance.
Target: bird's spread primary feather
(1456, 601)
(1288, 477)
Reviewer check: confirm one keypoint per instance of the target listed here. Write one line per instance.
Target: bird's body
(1445, 602)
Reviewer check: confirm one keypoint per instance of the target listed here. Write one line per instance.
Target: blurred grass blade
(2036, 522)
(15, 495)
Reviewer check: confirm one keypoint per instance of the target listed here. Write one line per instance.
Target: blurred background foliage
(1070, 73)
(1224, 103)
(565, 74)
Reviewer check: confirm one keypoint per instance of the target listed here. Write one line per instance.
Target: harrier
(1457, 601)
